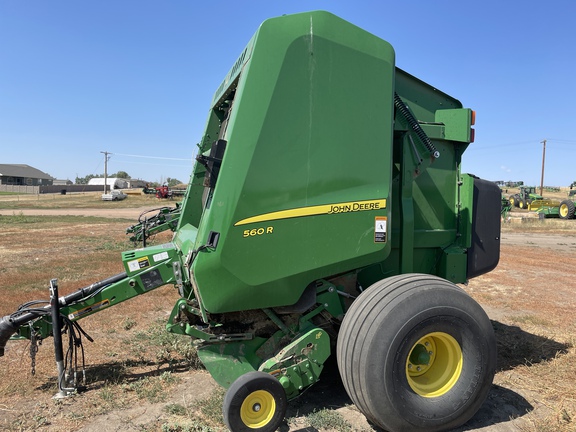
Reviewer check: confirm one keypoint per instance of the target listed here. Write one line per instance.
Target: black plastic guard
(6, 330)
(484, 254)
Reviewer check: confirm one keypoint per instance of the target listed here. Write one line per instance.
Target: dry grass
(531, 301)
(526, 222)
(78, 200)
(133, 359)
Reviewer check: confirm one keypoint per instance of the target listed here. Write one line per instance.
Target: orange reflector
(472, 133)
(473, 118)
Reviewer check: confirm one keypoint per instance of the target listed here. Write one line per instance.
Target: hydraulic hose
(90, 289)
(11, 323)
(6, 330)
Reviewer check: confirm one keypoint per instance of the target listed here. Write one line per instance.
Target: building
(62, 182)
(135, 183)
(23, 175)
(111, 182)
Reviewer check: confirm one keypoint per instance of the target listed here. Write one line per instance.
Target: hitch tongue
(7, 329)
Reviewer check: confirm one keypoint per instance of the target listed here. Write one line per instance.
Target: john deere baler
(326, 214)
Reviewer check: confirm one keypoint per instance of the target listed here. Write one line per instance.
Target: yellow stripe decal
(345, 207)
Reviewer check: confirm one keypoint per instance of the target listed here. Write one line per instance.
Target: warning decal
(380, 229)
(88, 310)
(160, 256)
(138, 264)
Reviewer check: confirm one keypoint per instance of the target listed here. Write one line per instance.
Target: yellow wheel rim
(563, 210)
(257, 409)
(434, 364)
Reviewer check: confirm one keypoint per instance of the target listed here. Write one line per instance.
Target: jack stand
(57, 333)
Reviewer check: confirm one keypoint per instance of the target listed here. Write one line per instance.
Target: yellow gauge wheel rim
(257, 409)
(563, 210)
(434, 364)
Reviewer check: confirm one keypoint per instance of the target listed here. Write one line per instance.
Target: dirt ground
(529, 298)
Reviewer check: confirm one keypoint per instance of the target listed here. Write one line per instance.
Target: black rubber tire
(247, 386)
(380, 329)
(566, 210)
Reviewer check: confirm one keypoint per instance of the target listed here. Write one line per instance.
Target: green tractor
(524, 197)
(326, 215)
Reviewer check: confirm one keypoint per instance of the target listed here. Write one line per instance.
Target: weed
(190, 426)
(168, 377)
(128, 323)
(328, 419)
(173, 349)
(72, 415)
(107, 394)
(211, 407)
(41, 421)
(175, 409)
(149, 388)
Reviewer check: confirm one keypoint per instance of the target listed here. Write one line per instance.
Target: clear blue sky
(136, 77)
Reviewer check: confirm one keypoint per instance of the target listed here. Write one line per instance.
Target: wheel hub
(434, 364)
(257, 409)
(420, 355)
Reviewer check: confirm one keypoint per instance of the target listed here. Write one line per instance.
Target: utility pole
(543, 159)
(105, 169)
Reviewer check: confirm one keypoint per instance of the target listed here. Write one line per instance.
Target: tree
(85, 180)
(171, 182)
(121, 174)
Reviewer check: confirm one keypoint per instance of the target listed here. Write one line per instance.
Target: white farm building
(111, 182)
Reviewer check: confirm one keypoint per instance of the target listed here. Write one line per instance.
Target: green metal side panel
(306, 174)
(427, 232)
(435, 189)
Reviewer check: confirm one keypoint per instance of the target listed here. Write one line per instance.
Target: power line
(152, 157)
(505, 145)
(564, 141)
(482, 147)
(120, 161)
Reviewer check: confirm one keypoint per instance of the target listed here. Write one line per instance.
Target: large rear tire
(566, 209)
(416, 353)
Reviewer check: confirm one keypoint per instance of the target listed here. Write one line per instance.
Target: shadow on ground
(515, 347)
